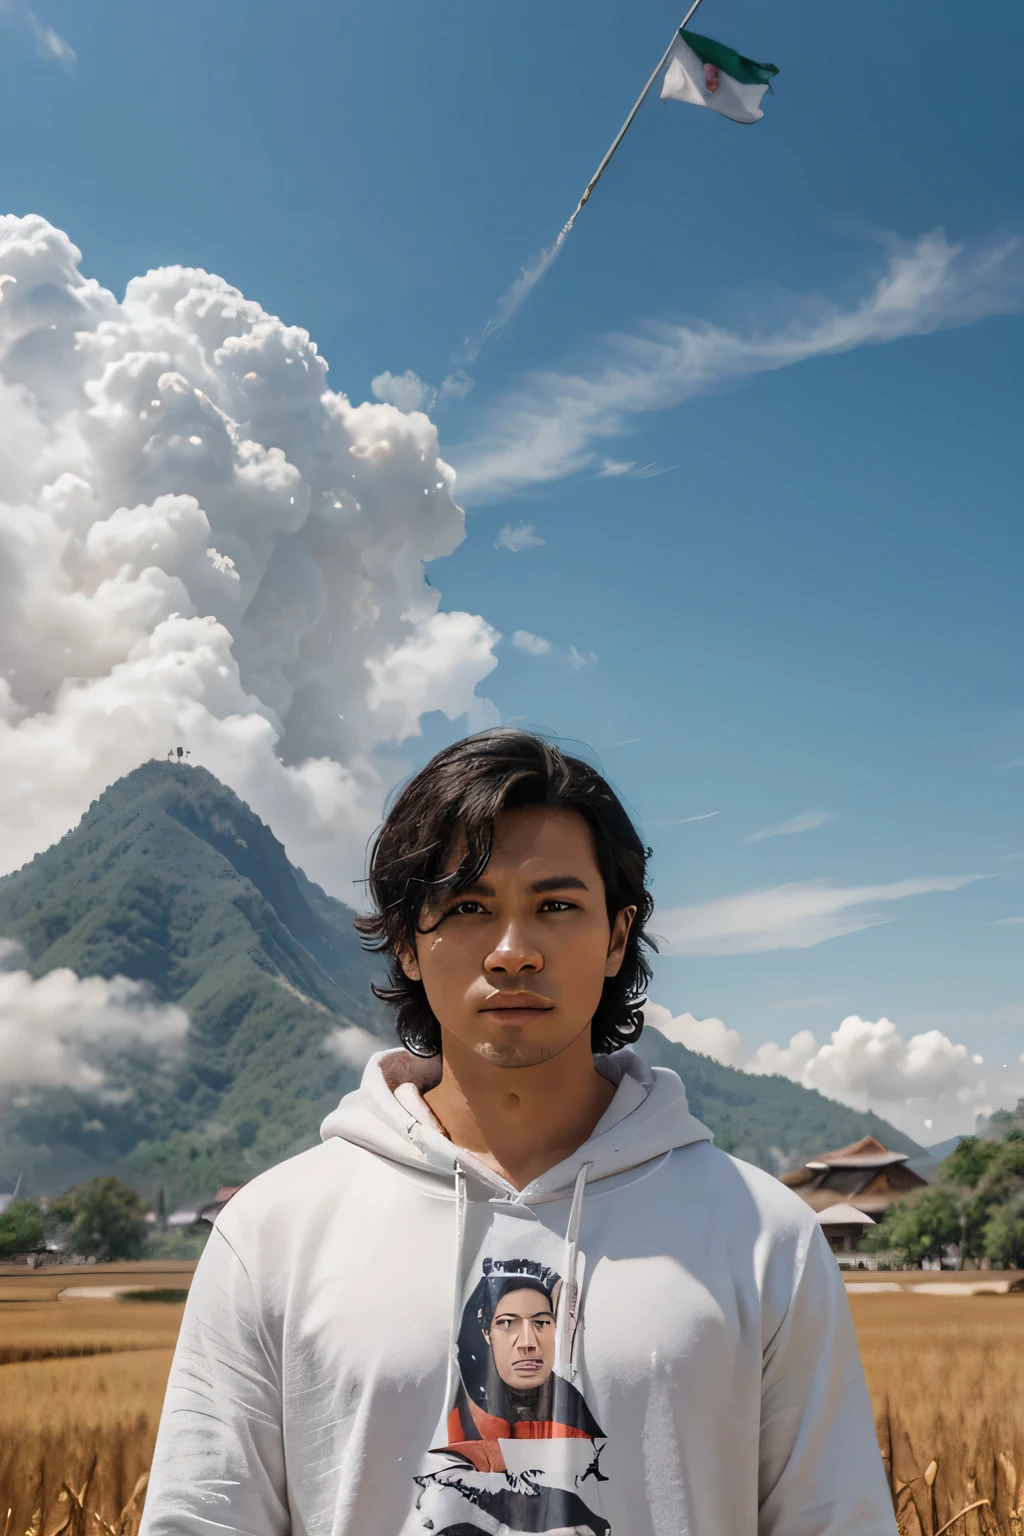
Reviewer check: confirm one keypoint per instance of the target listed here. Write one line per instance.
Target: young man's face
(522, 1339)
(514, 964)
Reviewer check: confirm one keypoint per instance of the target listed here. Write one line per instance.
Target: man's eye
(556, 905)
(464, 909)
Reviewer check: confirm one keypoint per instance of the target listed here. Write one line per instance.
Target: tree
(921, 1229)
(968, 1163)
(1004, 1235)
(109, 1220)
(21, 1229)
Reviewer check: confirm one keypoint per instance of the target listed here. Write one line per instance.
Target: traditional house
(866, 1176)
(844, 1226)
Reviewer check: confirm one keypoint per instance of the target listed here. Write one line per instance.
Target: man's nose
(514, 953)
(528, 1340)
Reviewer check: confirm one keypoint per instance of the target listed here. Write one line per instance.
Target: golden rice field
(81, 1382)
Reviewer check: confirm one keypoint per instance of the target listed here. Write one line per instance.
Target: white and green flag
(707, 74)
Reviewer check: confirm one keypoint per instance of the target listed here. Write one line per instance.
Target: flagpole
(592, 183)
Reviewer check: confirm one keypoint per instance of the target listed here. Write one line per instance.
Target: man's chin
(512, 1054)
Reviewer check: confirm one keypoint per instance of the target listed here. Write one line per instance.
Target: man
(339, 1359)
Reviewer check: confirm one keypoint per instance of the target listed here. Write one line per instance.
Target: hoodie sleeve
(219, 1460)
(820, 1468)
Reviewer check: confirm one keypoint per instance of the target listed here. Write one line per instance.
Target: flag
(707, 74)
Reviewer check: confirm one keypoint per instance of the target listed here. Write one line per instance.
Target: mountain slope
(170, 879)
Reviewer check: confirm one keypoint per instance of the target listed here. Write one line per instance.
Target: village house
(865, 1175)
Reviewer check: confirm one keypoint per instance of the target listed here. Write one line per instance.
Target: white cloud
(808, 822)
(708, 1036)
(535, 645)
(456, 386)
(408, 391)
(611, 468)
(16, 16)
(924, 1084)
(515, 539)
(352, 1045)
(794, 916)
(60, 1031)
(1007, 922)
(201, 543)
(580, 659)
(405, 390)
(549, 428)
(50, 44)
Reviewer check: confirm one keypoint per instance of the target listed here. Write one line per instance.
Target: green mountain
(171, 880)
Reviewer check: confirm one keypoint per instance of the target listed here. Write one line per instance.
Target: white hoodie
(384, 1338)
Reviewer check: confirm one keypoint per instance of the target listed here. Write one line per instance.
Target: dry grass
(41, 1330)
(945, 1376)
(83, 1382)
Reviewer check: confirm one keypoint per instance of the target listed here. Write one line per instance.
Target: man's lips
(518, 1002)
(527, 1367)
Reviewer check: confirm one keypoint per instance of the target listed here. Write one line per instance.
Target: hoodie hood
(647, 1118)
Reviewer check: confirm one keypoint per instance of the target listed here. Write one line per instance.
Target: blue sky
(804, 596)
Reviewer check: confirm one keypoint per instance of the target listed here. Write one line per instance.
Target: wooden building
(865, 1175)
(844, 1226)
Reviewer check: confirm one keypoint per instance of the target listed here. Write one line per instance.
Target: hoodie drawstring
(567, 1334)
(460, 1238)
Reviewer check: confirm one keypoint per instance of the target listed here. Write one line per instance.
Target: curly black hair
(457, 797)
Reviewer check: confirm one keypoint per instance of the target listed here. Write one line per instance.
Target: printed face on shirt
(522, 1339)
(514, 964)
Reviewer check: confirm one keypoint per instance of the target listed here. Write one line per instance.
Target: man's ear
(409, 963)
(617, 943)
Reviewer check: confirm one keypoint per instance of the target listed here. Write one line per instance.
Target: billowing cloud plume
(794, 916)
(927, 1085)
(201, 543)
(551, 427)
(56, 1031)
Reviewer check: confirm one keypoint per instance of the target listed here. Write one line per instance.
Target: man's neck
(520, 1121)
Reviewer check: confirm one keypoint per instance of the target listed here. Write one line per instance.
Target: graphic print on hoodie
(523, 1449)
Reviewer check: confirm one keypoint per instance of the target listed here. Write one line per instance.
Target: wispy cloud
(612, 469)
(808, 822)
(409, 392)
(15, 16)
(683, 821)
(795, 916)
(1007, 922)
(533, 645)
(516, 539)
(580, 659)
(550, 427)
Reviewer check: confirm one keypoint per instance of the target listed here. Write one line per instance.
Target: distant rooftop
(844, 1216)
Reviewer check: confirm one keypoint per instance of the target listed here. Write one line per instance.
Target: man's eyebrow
(540, 1312)
(558, 883)
(474, 888)
(537, 887)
